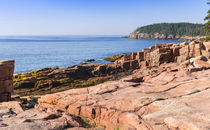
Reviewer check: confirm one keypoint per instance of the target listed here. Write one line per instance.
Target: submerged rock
(88, 61)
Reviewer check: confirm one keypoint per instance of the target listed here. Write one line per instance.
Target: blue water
(36, 52)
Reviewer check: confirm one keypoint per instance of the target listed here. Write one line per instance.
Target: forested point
(181, 29)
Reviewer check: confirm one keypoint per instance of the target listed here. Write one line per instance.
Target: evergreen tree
(207, 25)
(174, 29)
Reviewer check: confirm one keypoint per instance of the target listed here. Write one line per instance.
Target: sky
(93, 17)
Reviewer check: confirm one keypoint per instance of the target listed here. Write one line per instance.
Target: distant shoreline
(150, 37)
(169, 31)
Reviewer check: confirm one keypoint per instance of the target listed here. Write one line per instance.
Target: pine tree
(207, 25)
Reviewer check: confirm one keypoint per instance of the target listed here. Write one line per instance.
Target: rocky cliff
(169, 89)
(156, 55)
(136, 35)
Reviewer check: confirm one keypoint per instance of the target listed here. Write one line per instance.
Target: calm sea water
(36, 52)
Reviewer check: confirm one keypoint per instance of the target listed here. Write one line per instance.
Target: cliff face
(136, 35)
(156, 55)
(185, 31)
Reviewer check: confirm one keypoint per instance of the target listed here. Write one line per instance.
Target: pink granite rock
(6, 79)
(168, 98)
(164, 53)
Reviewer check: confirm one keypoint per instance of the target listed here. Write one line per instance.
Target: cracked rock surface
(14, 117)
(167, 97)
(171, 98)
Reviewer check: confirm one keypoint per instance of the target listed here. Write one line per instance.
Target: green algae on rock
(90, 60)
(87, 61)
(51, 80)
(114, 58)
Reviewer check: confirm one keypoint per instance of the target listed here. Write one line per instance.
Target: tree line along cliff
(186, 31)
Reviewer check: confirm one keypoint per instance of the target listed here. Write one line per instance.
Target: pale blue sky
(93, 17)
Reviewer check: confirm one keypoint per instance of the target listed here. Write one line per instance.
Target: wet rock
(51, 80)
(88, 61)
(114, 58)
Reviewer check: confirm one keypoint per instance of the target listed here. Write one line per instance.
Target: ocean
(37, 52)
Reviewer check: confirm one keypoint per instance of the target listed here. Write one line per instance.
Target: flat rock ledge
(169, 99)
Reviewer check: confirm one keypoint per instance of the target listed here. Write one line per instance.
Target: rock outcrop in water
(168, 89)
(6, 79)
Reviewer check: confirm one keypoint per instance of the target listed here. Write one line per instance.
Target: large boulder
(160, 55)
(201, 62)
(184, 54)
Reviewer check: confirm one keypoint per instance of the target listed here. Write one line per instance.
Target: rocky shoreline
(51, 80)
(158, 36)
(166, 86)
